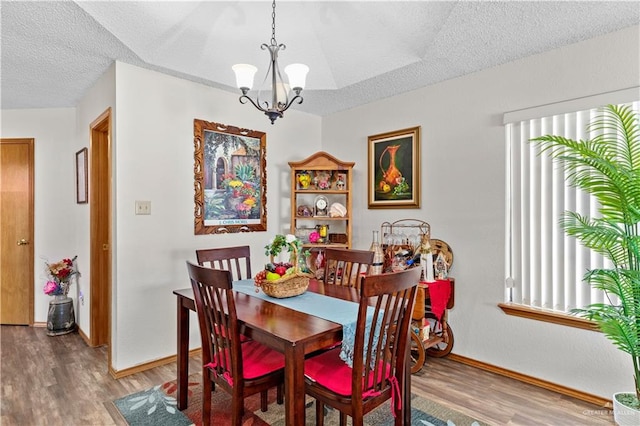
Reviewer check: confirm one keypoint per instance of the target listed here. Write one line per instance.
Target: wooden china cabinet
(321, 188)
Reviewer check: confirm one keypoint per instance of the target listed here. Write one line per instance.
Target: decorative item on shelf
(61, 317)
(337, 210)
(442, 247)
(304, 211)
(441, 267)
(284, 279)
(280, 101)
(303, 234)
(378, 255)
(304, 180)
(341, 184)
(338, 238)
(426, 259)
(322, 180)
(321, 206)
(323, 232)
(314, 237)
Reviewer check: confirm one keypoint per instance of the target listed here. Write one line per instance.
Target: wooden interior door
(100, 224)
(16, 221)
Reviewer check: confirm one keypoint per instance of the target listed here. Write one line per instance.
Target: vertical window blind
(544, 267)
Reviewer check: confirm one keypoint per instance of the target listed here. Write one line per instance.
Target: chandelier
(279, 91)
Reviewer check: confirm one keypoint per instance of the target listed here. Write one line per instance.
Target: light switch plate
(143, 207)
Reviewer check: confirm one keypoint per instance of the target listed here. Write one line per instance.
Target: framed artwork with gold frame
(230, 179)
(394, 169)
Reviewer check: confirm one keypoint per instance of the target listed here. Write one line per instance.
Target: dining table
(294, 333)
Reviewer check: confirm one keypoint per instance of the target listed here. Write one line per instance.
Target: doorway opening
(100, 230)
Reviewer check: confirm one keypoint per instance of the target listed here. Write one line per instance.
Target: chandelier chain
(273, 24)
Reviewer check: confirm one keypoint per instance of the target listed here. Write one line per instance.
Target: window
(544, 267)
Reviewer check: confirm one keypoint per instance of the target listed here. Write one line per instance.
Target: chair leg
(343, 419)
(280, 394)
(237, 410)
(263, 401)
(319, 413)
(206, 398)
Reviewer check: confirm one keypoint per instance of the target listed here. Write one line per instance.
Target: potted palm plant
(608, 167)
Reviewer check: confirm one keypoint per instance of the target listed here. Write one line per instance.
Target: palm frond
(607, 166)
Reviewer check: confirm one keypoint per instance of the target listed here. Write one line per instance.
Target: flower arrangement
(60, 274)
(276, 270)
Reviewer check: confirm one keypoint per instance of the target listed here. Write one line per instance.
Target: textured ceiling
(358, 51)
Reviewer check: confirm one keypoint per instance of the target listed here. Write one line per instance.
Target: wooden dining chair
(236, 260)
(241, 369)
(344, 266)
(379, 372)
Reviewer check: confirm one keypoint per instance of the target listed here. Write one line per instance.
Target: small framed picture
(82, 183)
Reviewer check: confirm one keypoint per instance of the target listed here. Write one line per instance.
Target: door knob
(23, 242)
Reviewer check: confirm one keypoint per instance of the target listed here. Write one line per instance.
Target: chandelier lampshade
(244, 76)
(297, 74)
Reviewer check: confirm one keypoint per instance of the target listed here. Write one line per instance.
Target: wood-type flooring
(61, 381)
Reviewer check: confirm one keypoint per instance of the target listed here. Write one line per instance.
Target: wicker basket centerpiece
(284, 279)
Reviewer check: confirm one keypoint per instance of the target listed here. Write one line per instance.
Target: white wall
(55, 208)
(96, 101)
(463, 194)
(154, 161)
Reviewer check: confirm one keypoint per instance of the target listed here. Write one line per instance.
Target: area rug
(157, 406)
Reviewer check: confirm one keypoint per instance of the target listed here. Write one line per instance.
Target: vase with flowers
(61, 317)
(284, 279)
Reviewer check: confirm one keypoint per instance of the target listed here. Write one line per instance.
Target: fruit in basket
(273, 271)
(271, 276)
(260, 278)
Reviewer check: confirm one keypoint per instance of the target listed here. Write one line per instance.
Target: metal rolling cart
(403, 241)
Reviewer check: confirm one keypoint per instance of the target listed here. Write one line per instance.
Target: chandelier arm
(297, 97)
(244, 98)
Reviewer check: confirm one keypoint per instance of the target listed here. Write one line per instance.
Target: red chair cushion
(259, 360)
(328, 370)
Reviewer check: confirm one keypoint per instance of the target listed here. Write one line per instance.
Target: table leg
(183, 355)
(294, 397)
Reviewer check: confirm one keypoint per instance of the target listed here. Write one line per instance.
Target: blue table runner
(329, 308)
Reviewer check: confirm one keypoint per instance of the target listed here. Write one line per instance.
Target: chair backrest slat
(344, 266)
(229, 259)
